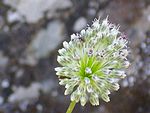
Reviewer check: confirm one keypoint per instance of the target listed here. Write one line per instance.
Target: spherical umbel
(92, 62)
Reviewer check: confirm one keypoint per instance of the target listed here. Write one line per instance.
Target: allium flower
(93, 62)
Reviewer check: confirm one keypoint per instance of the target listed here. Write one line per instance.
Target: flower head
(93, 62)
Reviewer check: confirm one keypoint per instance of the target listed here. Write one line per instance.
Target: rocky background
(31, 32)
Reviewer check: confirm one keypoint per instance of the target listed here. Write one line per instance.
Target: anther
(88, 70)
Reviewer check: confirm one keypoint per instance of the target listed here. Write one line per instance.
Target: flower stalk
(71, 107)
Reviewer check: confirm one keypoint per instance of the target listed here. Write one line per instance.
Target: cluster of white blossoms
(93, 62)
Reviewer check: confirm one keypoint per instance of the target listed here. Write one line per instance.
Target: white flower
(93, 62)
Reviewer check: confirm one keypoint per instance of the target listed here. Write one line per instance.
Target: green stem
(71, 107)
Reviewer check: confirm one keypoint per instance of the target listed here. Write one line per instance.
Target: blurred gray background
(31, 32)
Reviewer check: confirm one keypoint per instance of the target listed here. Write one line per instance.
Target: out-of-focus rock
(23, 105)
(143, 24)
(12, 3)
(123, 13)
(49, 85)
(58, 5)
(33, 91)
(39, 107)
(137, 35)
(103, 1)
(33, 10)
(45, 41)
(19, 73)
(3, 60)
(23, 93)
(91, 12)
(5, 83)
(145, 50)
(93, 4)
(79, 24)
(1, 100)
(29, 59)
(13, 16)
(1, 22)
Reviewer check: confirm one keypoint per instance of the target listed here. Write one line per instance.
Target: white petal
(61, 51)
(58, 69)
(65, 44)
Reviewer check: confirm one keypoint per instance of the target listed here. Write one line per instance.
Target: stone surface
(23, 93)
(79, 24)
(13, 16)
(45, 41)
(3, 60)
(33, 10)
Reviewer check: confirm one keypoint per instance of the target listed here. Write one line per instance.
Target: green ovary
(89, 66)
